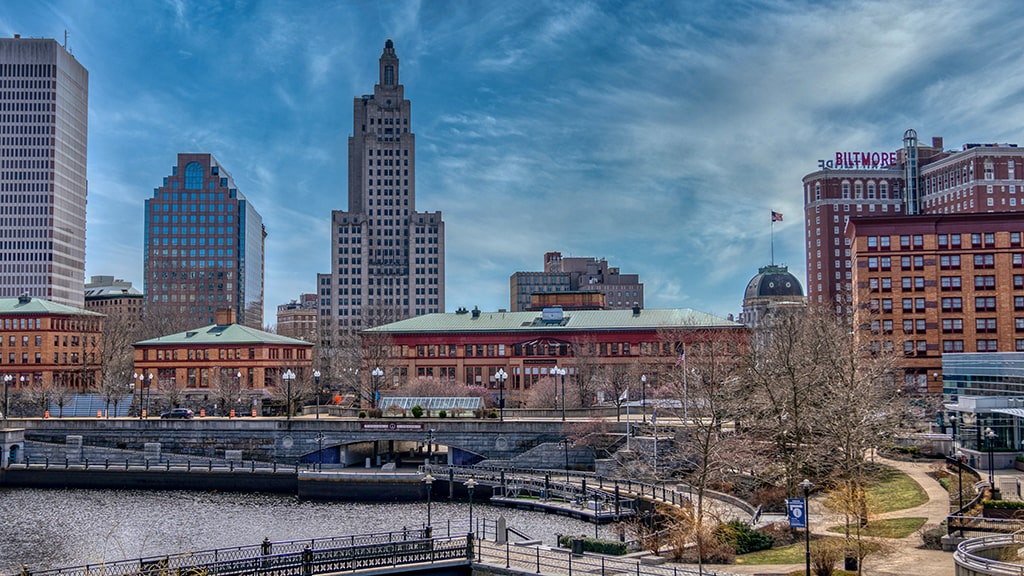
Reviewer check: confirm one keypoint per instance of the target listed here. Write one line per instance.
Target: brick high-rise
(387, 259)
(44, 104)
(979, 178)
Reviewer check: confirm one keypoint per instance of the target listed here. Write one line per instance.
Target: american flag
(682, 356)
(776, 216)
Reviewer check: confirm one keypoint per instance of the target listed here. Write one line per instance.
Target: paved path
(906, 556)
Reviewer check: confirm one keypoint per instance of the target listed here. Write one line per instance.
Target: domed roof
(773, 281)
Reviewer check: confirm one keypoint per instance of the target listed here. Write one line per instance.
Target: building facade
(298, 318)
(471, 346)
(387, 259)
(44, 101)
(932, 285)
(576, 274)
(45, 345)
(203, 246)
(222, 366)
(113, 297)
(917, 179)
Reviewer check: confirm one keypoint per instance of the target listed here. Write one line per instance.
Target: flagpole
(773, 241)
(685, 393)
(628, 424)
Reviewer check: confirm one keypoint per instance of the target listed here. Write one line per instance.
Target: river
(58, 528)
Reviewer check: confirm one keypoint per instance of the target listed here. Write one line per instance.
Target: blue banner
(797, 512)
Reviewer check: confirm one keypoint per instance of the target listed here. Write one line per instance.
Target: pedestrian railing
(541, 560)
(164, 464)
(971, 554)
(289, 558)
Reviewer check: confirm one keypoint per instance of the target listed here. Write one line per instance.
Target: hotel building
(44, 101)
(926, 180)
(203, 247)
(387, 259)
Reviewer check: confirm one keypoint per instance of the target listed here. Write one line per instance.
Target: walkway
(906, 556)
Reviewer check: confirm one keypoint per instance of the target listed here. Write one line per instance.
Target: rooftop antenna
(66, 41)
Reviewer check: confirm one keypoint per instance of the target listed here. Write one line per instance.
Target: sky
(658, 135)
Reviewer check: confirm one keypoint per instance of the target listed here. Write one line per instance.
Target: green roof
(226, 334)
(37, 306)
(647, 319)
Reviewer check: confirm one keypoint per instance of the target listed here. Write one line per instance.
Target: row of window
(947, 304)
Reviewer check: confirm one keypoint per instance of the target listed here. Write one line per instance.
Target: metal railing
(966, 556)
(541, 560)
(165, 464)
(309, 556)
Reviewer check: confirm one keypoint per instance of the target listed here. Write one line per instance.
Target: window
(988, 346)
(887, 326)
(952, 304)
(985, 304)
(1018, 302)
(1020, 345)
(984, 260)
(1018, 324)
(1018, 281)
(872, 242)
(886, 304)
(950, 283)
(886, 284)
(952, 345)
(984, 282)
(194, 176)
(908, 305)
(1018, 260)
(905, 242)
(1015, 239)
(943, 240)
(883, 242)
(918, 240)
(985, 325)
(952, 325)
(885, 263)
(950, 262)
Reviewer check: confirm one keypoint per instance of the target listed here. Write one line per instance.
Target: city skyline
(597, 130)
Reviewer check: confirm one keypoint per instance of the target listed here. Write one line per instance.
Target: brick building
(298, 318)
(225, 360)
(113, 297)
(471, 346)
(916, 179)
(576, 274)
(930, 285)
(45, 344)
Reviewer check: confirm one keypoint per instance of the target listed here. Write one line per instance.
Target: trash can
(577, 546)
(850, 563)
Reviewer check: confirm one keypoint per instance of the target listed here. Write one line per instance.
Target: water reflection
(56, 528)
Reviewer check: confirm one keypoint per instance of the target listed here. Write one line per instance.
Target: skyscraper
(387, 259)
(204, 247)
(44, 100)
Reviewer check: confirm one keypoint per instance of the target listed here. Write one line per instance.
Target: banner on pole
(797, 512)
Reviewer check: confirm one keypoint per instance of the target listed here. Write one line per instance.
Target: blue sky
(658, 135)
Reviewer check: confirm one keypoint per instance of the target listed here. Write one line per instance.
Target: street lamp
(430, 446)
(316, 380)
(429, 481)
(561, 372)
(7, 382)
(288, 376)
(807, 485)
(960, 489)
(470, 484)
(643, 398)
(990, 437)
(565, 443)
(377, 373)
(501, 376)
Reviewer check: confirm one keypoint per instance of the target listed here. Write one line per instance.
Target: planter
(1005, 513)
(1018, 465)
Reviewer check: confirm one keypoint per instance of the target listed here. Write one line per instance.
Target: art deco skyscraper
(204, 247)
(387, 259)
(44, 101)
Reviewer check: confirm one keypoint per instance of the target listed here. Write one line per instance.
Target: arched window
(194, 176)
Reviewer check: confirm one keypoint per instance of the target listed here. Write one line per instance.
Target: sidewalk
(906, 556)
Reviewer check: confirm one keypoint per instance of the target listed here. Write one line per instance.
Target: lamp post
(960, 489)
(7, 383)
(238, 384)
(561, 372)
(501, 376)
(470, 484)
(377, 373)
(430, 446)
(807, 485)
(288, 376)
(643, 398)
(990, 437)
(140, 378)
(149, 394)
(429, 481)
(316, 380)
(565, 443)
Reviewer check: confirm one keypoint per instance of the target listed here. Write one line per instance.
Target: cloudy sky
(658, 135)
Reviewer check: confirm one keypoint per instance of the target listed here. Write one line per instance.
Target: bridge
(328, 440)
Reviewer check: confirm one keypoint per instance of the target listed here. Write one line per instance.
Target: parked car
(178, 414)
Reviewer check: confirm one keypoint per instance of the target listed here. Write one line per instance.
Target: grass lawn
(892, 528)
(792, 554)
(894, 490)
